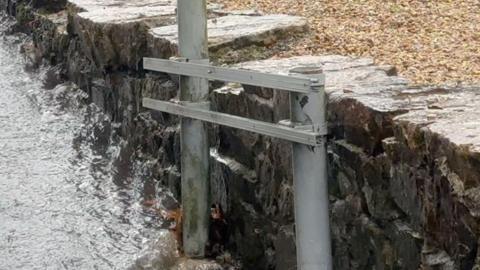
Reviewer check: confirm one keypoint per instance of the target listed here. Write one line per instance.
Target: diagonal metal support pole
(310, 182)
(192, 35)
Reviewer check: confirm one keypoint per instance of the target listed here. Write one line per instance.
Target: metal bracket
(309, 148)
(199, 111)
(322, 130)
(204, 61)
(201, 68)
(296, 125)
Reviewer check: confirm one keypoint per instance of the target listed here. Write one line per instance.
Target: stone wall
(404, 161)
(403, 166)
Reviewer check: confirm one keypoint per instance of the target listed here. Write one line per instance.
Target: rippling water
(68, 197)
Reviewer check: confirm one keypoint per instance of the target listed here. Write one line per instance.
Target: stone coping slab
(123, 11)
(454, 114)
(340, 71)
(450, 112)
(120, 15)
(93, 5)
(232, 29)
(357, 77)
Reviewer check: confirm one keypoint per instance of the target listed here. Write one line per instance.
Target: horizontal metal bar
(274, 130)
(281, 82)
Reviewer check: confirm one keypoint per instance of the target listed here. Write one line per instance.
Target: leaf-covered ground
(430, 42)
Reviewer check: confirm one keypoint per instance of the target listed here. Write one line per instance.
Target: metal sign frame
(307, 132)
(306, 129)
(299, 133)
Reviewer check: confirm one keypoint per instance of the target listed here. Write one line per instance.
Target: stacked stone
(404, 162)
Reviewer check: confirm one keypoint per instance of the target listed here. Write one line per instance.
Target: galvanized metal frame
(310, 183)
(303, 134)
(195, 150)
(306, 129)
(248, 77)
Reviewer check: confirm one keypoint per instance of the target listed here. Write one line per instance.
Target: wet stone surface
(63, 202)
(70, 197)
(404, 161)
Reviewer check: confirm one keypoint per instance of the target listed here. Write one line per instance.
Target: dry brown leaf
(429, 41)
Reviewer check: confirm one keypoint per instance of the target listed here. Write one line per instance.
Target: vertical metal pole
(192, 34)
(310, 184)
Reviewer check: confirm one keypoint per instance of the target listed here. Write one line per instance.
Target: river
(65, 200)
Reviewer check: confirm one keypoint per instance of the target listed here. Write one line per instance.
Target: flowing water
(68, 198)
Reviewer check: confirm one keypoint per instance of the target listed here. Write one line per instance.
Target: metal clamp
(204, 61)
(319, 129)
